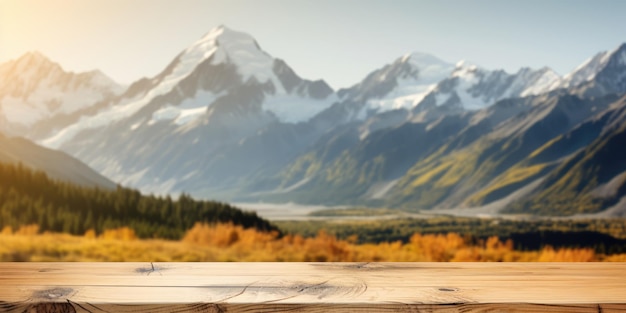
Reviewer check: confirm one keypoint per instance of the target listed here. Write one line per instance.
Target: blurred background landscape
(306, 131)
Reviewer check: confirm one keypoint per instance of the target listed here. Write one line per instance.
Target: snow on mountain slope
(187, 111)
(33, 88)
(294, 108)
(240, 49)
(587, 70)
(419, 82)
(219, 64)
(424, 71)
(287, 98)
(470, 87)
(601, 74)
(402, 84)
(543, 81)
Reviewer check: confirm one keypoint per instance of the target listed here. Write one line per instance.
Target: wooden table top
(312, 287)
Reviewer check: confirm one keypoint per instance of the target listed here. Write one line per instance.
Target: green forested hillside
(29, 197)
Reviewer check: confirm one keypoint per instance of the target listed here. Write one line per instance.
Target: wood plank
(313, 287)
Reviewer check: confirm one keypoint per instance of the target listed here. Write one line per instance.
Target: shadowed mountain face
(226, 120)
(57, 165)
(593, 177)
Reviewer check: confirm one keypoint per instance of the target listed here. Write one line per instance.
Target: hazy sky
(337, 40)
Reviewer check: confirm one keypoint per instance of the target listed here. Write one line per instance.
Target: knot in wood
(344, 287)
(52, 294)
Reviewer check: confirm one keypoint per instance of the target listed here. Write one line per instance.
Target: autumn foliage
(228, 242)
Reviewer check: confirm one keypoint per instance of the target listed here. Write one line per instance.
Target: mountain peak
(620, 54)
(422, 59)
(464, 68)
(32, 64)
(621, 47)
(33, 88)
(547, 69)
(224, 45)
(465, 64)
(220, 31)
(425, 67)
(589, 69)
(34, 55)
(33, 59)
(222, 36)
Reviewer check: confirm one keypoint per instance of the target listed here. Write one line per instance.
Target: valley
(43, 219)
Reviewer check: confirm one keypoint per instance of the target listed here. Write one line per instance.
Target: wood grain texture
(313, 287)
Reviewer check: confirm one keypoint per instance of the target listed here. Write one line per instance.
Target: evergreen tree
(29, 197)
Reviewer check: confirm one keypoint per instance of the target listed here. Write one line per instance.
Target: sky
(340, 41)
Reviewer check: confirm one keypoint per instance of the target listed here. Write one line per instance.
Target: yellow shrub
(28, 230)
(228, 242)
(548, 254)
(90, 234)
(122, 233)
(6, 231)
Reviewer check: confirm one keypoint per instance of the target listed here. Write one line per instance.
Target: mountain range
(226, 120)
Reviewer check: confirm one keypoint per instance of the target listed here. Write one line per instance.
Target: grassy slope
(568, 188)
(538, 146)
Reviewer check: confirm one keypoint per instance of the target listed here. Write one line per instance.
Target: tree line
(31, 197)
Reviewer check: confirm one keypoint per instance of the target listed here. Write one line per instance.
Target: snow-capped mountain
(175, 127)
(421, 87)
(33, 89)
(221, 76)
(601, 74)
(399, 85)
(56, 164)
(470, 87)
(418, 83)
